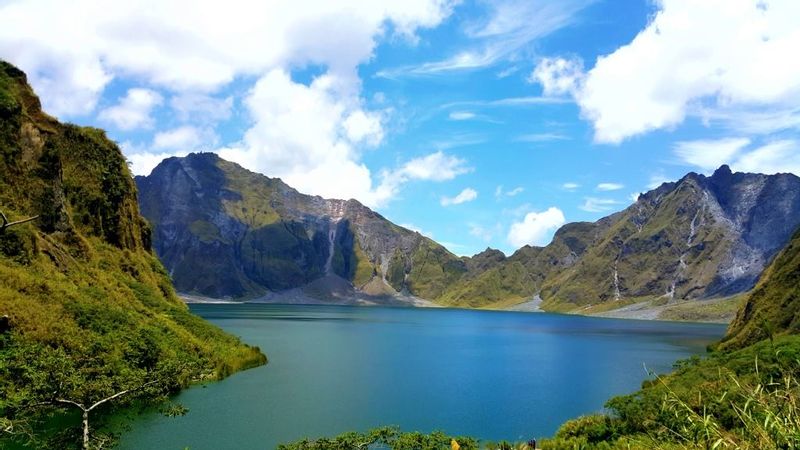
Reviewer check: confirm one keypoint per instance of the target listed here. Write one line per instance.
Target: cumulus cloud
(610, 186)
(199, 107)
(183, 138)
(144, 163)
(467, 195)
(312, 135)
(133, 110)
(711, 59)
(558, 76)
(536, 228)
(199, 48)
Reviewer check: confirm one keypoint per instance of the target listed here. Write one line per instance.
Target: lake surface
(492, 375)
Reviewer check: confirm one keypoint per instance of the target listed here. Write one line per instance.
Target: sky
(477, 123)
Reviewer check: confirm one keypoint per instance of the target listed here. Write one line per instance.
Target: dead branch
(7, 224)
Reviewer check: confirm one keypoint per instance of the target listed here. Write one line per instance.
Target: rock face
(697, 238)
(223, 231)
(773, 307)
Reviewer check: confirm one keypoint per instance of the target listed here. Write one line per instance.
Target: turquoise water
(493, 375)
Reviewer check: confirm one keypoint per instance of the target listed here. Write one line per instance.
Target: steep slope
(246, 235)
(698, 238)
(223, 231)
(90, 310)
(773, 307)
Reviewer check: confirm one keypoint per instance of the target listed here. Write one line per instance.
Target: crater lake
(489, 374)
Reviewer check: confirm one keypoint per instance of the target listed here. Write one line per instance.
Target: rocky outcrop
(223, 231)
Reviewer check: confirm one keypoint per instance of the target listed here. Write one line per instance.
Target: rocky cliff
(223, 231)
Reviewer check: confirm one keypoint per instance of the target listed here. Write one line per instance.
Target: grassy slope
(773, 308)
(80, 283)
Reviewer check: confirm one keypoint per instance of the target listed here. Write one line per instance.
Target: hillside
(246, 235)
(698, 238)
(90, 310)
(773, 308)
(223, 231)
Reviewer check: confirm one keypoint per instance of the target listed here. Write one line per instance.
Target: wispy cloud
(467, 195)
(541, 137)
(609, 186)
(499, 192)
(593, 204)
(461, 115)
(510, 26)
(570, 186)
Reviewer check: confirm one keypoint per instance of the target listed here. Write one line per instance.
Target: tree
(86, 410)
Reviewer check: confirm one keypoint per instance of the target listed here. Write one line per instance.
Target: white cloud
(201, 48)
(461, 115)
(536, 228)
(183, 138)
(515, 191)
(710, 154)
(776, 157)
(541, 137)
(657, 180)
(197, 107)
(412, 227)
(593, 204)
(144, 163)
(500, 192)
(436, 166)
(133, 110)
(716, 58)
(510, 27)
(467, 195)
(610, 186)
(483, 233)
(558, 76)
(310, 134)
(570, 186)
(634, 197)
(779, 156)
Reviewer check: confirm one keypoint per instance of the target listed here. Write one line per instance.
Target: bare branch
(119, 394)
(7, 224)
(70, 402)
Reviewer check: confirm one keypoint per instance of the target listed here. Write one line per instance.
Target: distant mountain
(223, 231)
(697, 238)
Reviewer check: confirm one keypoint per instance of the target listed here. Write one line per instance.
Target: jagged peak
(723, 171)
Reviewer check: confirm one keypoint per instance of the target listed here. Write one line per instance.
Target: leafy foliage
(91, 312)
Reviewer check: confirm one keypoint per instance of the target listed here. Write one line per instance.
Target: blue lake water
(492, 375)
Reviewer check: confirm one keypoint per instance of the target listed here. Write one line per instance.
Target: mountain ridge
(696, 238)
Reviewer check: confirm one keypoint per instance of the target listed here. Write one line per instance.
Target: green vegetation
(773, 308)
(91, 317)
(745, 394)
(393, 439)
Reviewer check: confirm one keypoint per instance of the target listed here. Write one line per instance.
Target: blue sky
(477, 123)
